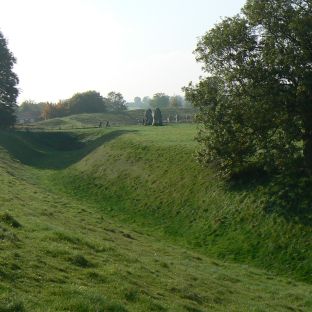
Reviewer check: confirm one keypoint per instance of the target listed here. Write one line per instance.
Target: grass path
(61, 254)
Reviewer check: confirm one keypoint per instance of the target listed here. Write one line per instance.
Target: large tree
(30, 110)
(8, 85)
(85, 102)
(256, 101)
(160, 100)
(116, 102)
(146, 101)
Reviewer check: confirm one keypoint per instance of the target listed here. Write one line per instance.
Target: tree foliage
(137, 101)
(8, 85)
(146, 101)
(160, 100)
(176, 101)
(116, 102)
(79, 103)
(86, 102)
(52, 110)
(256, 102)
(30, 110)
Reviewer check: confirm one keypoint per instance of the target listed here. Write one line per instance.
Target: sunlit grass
(101, 228)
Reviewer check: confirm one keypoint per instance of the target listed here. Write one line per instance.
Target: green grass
(149, 175)
(96, 220)
(131, 117)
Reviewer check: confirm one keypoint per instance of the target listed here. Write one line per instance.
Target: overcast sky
(136, 47)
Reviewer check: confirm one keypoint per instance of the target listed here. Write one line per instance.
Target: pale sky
(136, 47)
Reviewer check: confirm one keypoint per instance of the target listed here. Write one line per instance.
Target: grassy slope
(149, 175)
(69, 255)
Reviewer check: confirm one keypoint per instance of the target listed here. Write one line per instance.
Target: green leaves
(255, 104)
(116, 102)
(8, 85)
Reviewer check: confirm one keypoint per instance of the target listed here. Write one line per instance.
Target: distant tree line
(85, 102)
(94, 102)
(79, 103)
(160, 100)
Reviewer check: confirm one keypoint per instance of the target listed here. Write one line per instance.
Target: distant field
(131, 117)
(124, 219)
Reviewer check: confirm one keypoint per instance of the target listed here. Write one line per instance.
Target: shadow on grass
(287, 194)
(290, 196)
(52, 150)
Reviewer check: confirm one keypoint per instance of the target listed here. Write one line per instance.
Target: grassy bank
(148, 176)
(61, 249)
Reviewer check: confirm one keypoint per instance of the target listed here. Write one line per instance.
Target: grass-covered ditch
(124, 219)
(148, 176)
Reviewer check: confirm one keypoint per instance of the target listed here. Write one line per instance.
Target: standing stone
(148, 118)
(168, 119)
(157, 117)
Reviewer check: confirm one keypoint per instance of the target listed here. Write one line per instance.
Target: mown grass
(71, 252)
